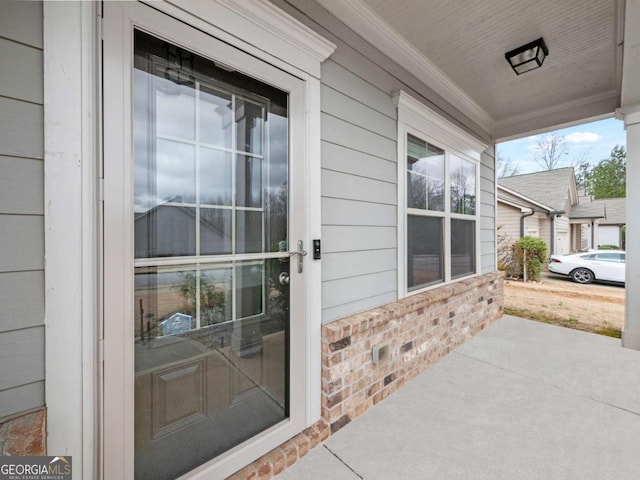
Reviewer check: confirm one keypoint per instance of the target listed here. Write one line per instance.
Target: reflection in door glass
(211, 328)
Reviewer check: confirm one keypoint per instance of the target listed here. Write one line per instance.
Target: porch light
(527, 57)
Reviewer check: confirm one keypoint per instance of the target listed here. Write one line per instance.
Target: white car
(605, 265)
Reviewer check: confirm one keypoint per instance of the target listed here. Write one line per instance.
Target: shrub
(505, 254)
(608, 247)
(534, 250)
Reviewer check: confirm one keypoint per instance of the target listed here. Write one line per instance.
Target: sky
(590, 141)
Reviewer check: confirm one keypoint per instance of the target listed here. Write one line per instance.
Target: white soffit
(457, 49)
(364, 21)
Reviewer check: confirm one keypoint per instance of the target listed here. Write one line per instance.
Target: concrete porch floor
(521, 400)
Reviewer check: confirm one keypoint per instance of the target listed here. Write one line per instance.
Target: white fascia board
(574, 112)
(358, 16)
(421, 117)
(525, 198)
(522, 208)
(630, 114)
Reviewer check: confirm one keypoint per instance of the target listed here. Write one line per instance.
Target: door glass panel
(211, 328)
(215, 177)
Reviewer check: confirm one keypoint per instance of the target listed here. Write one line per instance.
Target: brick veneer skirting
(419, 330)
(23, 434)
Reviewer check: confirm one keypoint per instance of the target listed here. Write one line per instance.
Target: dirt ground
(555, 299)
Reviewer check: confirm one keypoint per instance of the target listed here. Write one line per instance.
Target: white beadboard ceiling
(466, 41)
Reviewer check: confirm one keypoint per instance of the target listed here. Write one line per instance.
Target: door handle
(301, 253)
(284, 278)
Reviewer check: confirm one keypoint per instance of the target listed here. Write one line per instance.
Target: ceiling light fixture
(527, 57)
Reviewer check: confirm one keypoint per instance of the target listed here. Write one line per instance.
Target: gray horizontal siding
(21, 129)
(22, 300)
(488, 245)
(21, 357)
(354, 187)
(343, 80)
(359, 166)
(340, 311)
(349, 212)
(23, 79)
(22, 240)
(352, 264)
(22, 21)
(21, 207)
(349, 290)
(342, 106)
(341, 132)
(343, 159)
(21, 186)
(351, 238)
(22, 398)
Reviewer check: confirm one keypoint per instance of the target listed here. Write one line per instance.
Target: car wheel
(582, 275)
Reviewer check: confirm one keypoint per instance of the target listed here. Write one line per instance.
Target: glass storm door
(210, 313)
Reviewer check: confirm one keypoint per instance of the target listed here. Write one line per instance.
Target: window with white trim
(438, 186)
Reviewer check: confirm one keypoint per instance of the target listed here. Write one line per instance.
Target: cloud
(582, 137)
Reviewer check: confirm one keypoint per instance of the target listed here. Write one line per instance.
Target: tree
(582, 169)
(506, 167)
(549, 151)
(608, 178)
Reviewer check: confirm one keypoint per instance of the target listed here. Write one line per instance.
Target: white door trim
(72, 69)
(305, 147)
(71, 125)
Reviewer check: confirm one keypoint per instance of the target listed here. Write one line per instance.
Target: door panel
(195, 258)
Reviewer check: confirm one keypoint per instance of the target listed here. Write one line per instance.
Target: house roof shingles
(549, 187)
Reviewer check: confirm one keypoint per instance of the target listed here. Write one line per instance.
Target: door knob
(284, 278)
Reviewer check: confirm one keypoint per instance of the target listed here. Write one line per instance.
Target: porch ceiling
(465, 43)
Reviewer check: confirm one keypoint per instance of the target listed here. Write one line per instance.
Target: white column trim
(71, 272)
(630, 114)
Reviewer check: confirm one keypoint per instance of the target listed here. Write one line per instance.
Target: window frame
(416, 119)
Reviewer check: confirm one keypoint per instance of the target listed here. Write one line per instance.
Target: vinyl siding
(509, 221)
(359, 167)
(488, 211)
(21, 208)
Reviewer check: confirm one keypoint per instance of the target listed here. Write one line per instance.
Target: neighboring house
(540, 205)
(611, 229)
(548, 205)
(312, 181)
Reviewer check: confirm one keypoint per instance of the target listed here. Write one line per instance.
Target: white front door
(204, 291)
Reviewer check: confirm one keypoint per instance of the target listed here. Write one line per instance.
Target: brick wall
(23, 434)
(419, 330)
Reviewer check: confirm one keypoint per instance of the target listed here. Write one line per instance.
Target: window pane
(425, 264)
(463, 247)
(165, 231)
(249, 122)
(277, 186)
(248, 232)
(248, 182)
(249, 289)
(416, 191)
(175, 108)
(215, 231)
(425, 179)
(175, 172)
(463, 186)
(215, 117)
(215, 177)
